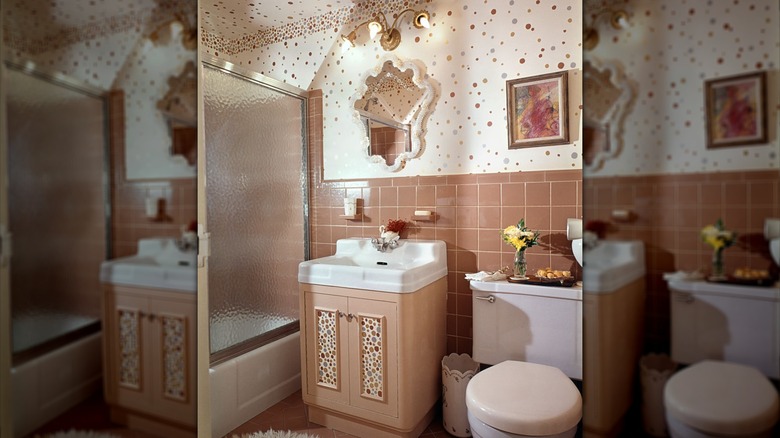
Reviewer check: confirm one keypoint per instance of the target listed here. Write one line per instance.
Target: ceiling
(39, 17)
(40, 25)
(235, 18)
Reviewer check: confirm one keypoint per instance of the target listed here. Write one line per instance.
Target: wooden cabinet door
(173, 344)
(129, 351)
(151, 353)
(373, 345)
(327, 347)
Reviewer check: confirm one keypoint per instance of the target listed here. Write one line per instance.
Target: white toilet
(729, 334)
(532, 335)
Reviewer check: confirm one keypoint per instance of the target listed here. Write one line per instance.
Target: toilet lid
(722, 397)
(524, 398)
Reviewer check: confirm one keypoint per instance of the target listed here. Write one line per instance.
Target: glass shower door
(255, 207)
(58, 197)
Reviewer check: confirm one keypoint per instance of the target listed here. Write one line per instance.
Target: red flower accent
(395, 226)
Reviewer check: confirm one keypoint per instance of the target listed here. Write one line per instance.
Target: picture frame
(537, 110)
(736, 110)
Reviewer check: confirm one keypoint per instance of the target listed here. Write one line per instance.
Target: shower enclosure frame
(10, 358)
(31, 69)
(290, 91)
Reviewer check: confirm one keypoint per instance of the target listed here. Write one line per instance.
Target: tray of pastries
(546, 277)
(749, 277)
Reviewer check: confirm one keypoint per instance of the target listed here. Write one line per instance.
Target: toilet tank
(726, 322)
(529, 323)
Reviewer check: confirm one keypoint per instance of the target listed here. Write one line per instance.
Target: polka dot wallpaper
(470, 51)
(146, 72)
(106, 44)
(668, 50)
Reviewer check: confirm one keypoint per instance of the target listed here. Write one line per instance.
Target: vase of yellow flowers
(520, 265)
(719, 239)
(521, 238)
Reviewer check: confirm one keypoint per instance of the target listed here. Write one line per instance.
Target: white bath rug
(80, 434)
(275, 434)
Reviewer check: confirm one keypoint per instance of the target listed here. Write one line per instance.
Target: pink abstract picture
(537, 110)
(736, 113)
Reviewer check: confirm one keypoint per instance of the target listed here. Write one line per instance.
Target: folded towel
(684, 276)
(486, 276)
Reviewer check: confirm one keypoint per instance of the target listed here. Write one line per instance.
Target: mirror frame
(417, 132)
(615, 118)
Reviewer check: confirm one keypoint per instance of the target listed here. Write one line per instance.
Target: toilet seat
(722, 398)
(524, 398)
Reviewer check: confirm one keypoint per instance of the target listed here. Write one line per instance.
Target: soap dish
(423, 215)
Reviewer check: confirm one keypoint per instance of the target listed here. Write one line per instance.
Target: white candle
(350, 206)
(151, 207)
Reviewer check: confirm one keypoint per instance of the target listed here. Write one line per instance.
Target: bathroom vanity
(149, 339)
(372, 357)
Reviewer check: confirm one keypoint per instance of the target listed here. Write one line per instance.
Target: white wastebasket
(655, 371)
(456, 371)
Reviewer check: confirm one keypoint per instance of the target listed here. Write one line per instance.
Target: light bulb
(347, 41)
(619, 20)
(374, 28)
(422, 19)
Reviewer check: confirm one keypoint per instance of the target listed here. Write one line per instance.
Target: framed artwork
(537, 111)
(736, 110)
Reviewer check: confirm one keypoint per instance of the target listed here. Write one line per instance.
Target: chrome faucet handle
(379, 244)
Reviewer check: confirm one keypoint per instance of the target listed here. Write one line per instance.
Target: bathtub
(247, 385)
(51, 377)
(250, 329)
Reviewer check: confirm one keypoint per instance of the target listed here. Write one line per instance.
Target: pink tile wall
(388, 142)
(470, 211)
(670, 212)
(129, 222)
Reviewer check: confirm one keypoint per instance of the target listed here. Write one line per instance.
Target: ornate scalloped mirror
(391, 106)
(609, 95)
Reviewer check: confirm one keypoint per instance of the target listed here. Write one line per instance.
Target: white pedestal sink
(358, 265)
(159, 264)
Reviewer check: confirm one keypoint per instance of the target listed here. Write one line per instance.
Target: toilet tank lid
(524, 398)
(771, 293)
(503, 286)
(722, 397)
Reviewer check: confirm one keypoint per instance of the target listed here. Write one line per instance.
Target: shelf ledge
(424, 217)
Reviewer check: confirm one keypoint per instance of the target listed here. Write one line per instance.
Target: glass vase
(717, 265)
(519, 265)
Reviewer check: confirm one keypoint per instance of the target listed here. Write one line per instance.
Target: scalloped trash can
(456, 372)
(655, 371)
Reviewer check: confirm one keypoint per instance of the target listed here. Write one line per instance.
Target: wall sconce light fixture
(590, 35)
(389, 36)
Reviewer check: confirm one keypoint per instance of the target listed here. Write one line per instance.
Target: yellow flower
(519, 236)
(716, 237)
(714, 242)
(517, 243)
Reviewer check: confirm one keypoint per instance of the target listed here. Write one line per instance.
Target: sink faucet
(381, 244)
